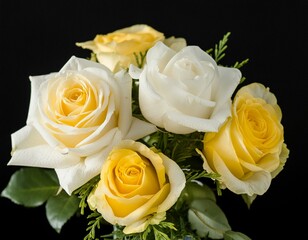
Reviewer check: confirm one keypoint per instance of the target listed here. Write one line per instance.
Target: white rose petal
(185, 91)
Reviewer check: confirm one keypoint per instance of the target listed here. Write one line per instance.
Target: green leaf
(208, 219)
(60, 208)
(231, 235)
(31, 187)
(95, 224)
(249, 199)
(221, 47)
(197, 190)
(160, 235)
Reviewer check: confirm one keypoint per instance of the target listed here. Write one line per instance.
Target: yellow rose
(137, 186)
(116, 49)
(249, 149)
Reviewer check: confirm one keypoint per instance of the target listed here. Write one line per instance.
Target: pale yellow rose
(75, 117)
(116, 49)
(137, 186)
(249, 149)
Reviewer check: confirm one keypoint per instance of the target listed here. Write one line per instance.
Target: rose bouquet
(144, 136)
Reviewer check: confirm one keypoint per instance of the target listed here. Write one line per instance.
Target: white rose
(185, 91)
(75, 118)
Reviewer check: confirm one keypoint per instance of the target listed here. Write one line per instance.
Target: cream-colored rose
(116, 49)
(75, 118)
(249, 149)
(184, 91)
(137, 186)
(175, 43)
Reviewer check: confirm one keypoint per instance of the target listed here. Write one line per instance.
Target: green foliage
(93, 224)
(31, 187)
(219, 53)
(159, 235)
(204, 214)
(238, 65)
(60, 208)
(178, 147)
(135, 100)
(207, 218)
(194, 174)
(220, 48)
(140, 58)
(162, 231)
(232, 235)
(248, 199)
(197, 190)
(84, 191)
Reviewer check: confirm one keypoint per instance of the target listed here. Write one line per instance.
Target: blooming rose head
(116, 50)
(75, 117)
(137, 186)
(184, 91)
(249, 150)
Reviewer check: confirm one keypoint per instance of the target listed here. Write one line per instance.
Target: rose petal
(86, 169)
(256, 183)
(28, 145)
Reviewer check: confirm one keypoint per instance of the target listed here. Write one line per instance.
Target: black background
(38, 37)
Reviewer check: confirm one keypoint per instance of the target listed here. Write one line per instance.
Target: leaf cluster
(220, 52)
(34, 187)
(178, 147)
